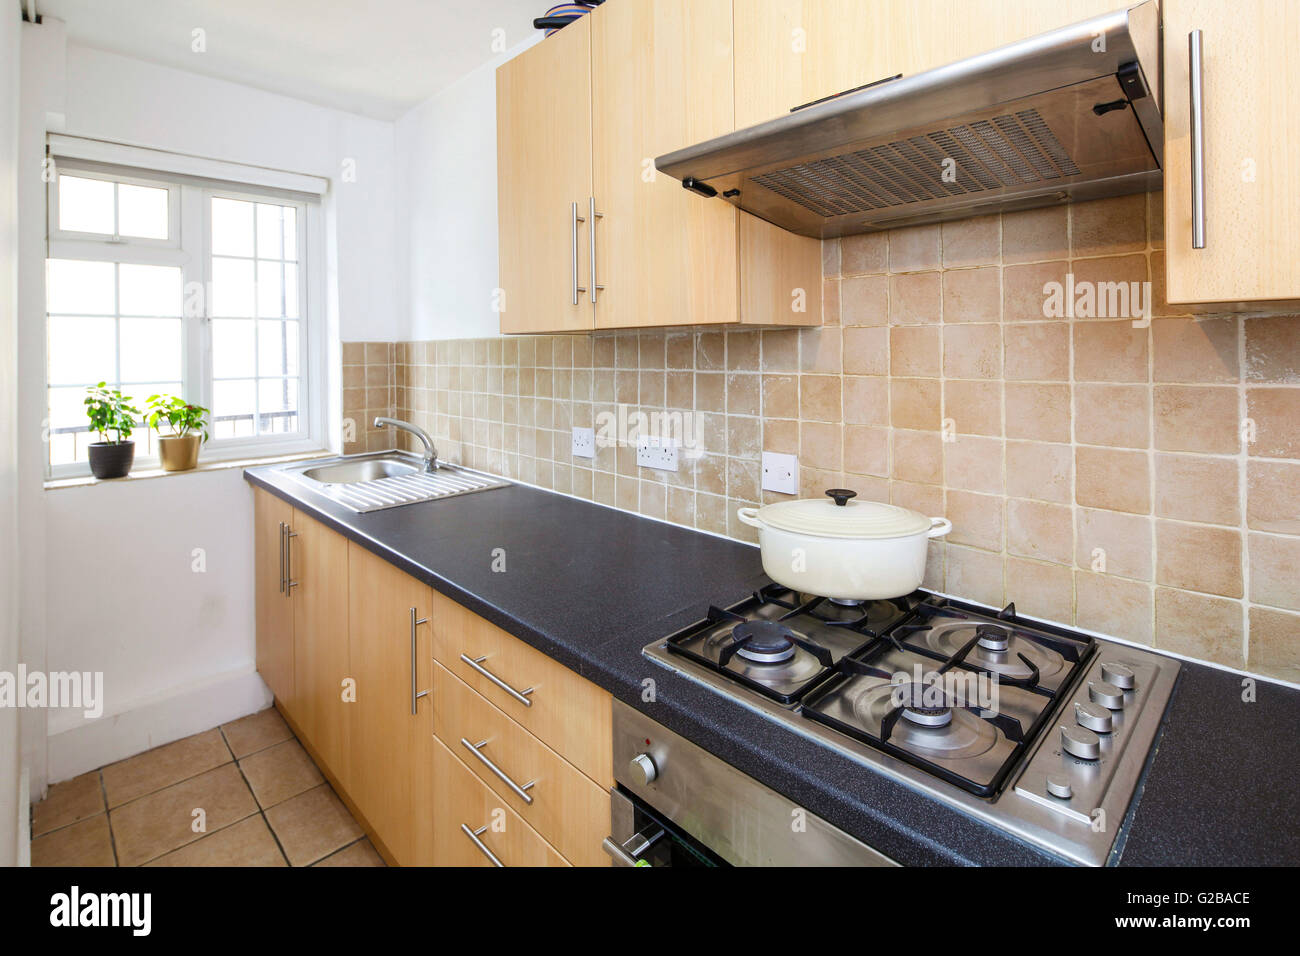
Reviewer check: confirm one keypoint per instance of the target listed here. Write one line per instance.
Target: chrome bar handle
(474, 838)
(1196, 80)
(415, 663)
(629, 852)
(591, 230)
(289, 582)
(477, 664)
(573, 207)
(520, 792)
(619, 855)
(281, 557)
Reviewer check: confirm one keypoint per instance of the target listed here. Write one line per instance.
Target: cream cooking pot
(840, 548)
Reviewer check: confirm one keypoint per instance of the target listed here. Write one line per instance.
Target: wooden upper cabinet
(661, 80)
(543, 169)
(1251, 124)
(790, 52)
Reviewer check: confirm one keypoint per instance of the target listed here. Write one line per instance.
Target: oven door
(642, 837)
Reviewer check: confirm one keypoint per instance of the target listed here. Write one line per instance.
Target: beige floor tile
(87, 843)
(256, 732)
(361, 853)
(67, 802)
(161, 822)
(280, 772)
(246, 843)
(312, 825)
(164, 766)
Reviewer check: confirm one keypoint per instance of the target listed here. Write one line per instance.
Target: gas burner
(928, 716)
(846, 602)
(764, 642)
(993, 637)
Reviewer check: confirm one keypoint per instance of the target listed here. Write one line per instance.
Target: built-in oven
(676, 804)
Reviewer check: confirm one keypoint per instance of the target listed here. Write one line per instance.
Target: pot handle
(939, 527)
(749, 517)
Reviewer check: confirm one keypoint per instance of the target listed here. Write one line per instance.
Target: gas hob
(1034, 728)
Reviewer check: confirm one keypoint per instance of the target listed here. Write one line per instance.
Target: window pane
(291, 290)
(141, 211)
(80, 288)
(290, 232)
(151, 351)
(232, 287)
(232, 227)
(277, 405)
(277, 346)
(82, 350)
(232, 348)
(269, 289)
(68, 408)
(149, 290)
(269, 231)
(85, 205)
(237, 402)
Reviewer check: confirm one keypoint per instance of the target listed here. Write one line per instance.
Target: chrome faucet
(430, 453)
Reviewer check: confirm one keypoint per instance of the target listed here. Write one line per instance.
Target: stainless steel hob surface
(1056, 759)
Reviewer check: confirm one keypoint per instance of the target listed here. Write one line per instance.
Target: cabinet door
(1251, 115)
(318, 566)
(274, 607)
(462, 802)
(392, 660)
(661, 79)
(543, 169)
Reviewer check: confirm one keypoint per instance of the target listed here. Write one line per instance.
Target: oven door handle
(629, 853)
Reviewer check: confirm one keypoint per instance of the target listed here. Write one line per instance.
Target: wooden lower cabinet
(463, 802)
(274, 606)
(392, 724)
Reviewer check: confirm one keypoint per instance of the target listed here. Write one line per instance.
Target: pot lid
(843, 517)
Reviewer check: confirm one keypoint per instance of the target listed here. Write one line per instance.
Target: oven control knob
(1080, 742)
(1093, 716)
(1106, 694)
(1058, 786)
(643, 769)
(1121, 675)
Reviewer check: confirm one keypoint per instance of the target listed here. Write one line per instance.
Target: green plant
(110, 411)
(181, 417)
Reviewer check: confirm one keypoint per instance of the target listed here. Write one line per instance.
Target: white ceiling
(374, 57)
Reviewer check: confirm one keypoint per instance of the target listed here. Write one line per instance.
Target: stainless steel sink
(374, 482)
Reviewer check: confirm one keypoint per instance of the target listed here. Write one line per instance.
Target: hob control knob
(1121, 675)
(1058, 786)
(1093, 716)
(1081, 742)
(643, 769)
(1106, 694)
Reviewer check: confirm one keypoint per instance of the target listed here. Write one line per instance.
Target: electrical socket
(584, 443)
(651, 453)
(780, 473)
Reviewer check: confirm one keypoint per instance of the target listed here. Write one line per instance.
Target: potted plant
(188, 426)
(110, 411)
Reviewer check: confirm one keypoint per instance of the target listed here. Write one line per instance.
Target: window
(180, 286)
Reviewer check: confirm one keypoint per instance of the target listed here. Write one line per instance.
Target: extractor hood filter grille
(1011, 150)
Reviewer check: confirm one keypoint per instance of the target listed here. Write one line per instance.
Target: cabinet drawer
(568, 713)
(462, 802)
(562, 804)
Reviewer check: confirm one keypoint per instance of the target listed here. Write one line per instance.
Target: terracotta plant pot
(179, 453)
(109, 459)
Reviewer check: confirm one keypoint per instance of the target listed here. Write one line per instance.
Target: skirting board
(97, 743)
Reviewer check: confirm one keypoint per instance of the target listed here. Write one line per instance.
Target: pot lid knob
(841, 495)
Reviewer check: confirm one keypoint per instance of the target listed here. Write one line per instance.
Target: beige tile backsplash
(1139, 481)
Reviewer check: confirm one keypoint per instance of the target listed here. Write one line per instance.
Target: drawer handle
(474, 838)
(520, 792)
(1196, 84)
(477, 664)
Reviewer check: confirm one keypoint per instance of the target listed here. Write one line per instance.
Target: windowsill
(203, 467)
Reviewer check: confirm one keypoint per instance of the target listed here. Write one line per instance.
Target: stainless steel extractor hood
(1073, 114)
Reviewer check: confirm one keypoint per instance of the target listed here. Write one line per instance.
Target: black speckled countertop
(591, 586)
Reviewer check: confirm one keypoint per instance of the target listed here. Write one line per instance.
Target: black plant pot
(111, 459)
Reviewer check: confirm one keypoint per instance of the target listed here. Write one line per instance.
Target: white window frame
(188, 247)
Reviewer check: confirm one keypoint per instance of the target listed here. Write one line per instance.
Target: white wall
(447, 220)
(107, 579)
(12, 807)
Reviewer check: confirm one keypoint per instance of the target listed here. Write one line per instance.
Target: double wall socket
(780, 473)
(651, 453)
(584, 443)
